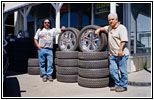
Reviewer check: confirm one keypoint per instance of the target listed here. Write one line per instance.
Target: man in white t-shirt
(46, 36)
(117, 38)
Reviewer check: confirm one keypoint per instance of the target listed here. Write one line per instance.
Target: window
(140, 28)
(101, 11)
(64, 15)
(80, 15)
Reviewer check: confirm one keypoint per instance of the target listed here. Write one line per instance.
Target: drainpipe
(112, 7)
(57, 7)
(92, 14)
(69, 15)
(25, 13)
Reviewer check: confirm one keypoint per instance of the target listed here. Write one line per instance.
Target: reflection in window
(141, 28)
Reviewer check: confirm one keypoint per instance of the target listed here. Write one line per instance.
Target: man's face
(112, 21)
(46, 24)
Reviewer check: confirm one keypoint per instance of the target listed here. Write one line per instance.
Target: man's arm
(36, 43)
(99, 30)
(122, 45)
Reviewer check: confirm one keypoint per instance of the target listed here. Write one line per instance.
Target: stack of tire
(93, 60)
(33, 66)
(67, 58)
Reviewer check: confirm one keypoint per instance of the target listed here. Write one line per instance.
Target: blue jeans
(119, 64)
(44, 53)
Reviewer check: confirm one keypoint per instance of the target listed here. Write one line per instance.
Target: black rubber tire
(66, 70)
(103, 40)
(92, 55)
(33, 62)
(93, 83)
(34, 70)
(93, 73)
(93, 64)
(55, 61)
(67, 54)
(76, 32)
(67, 62)
(67, 78)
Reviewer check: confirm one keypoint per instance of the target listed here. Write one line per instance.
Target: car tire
(93, 73)
(67, 78)
(67, 62)
(34, 70)
(92, 55)
(33, 66)
(67, 70)
(33, 62)
(68, 39)
(89, 41)
(93, 64)
(93, 83)
(67, 54)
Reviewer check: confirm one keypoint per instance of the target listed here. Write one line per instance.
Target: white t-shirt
(115, 37)
(46, 37)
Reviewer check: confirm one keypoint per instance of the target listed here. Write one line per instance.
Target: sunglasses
(46, 22)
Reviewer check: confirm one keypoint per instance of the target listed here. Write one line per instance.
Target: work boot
(112, 88)
(120, 90)
(44, 79)
(50, 79)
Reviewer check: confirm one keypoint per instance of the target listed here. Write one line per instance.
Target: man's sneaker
(44, 79)
(112, 88)
(120, 90)
(50, 79)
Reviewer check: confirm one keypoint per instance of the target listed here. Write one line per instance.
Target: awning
(19, 7)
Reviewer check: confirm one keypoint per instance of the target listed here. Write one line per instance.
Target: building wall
(136, 63)
(140, 62)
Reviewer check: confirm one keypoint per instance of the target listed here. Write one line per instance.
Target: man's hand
(63, 28)
(39, 47)
(120, 53)
(97, 31)
(122, 45)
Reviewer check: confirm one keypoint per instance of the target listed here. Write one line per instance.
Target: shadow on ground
(11, 87)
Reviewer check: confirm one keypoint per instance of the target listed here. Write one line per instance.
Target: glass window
(101, 11)
(140, 28)
(9, 25)
(80, 15)
(64, 15)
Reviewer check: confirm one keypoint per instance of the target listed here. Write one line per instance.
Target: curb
(139, 83)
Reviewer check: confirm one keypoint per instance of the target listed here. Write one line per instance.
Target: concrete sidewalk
(32, 86)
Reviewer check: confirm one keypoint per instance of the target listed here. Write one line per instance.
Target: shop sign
(102, 8)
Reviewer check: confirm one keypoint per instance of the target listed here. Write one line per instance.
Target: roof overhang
(11, 10)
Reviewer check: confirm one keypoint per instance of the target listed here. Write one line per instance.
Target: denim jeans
(119, 64)
(44, 53)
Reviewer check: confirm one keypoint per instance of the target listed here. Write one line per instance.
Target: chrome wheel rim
(89, 40)
(67, 41)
